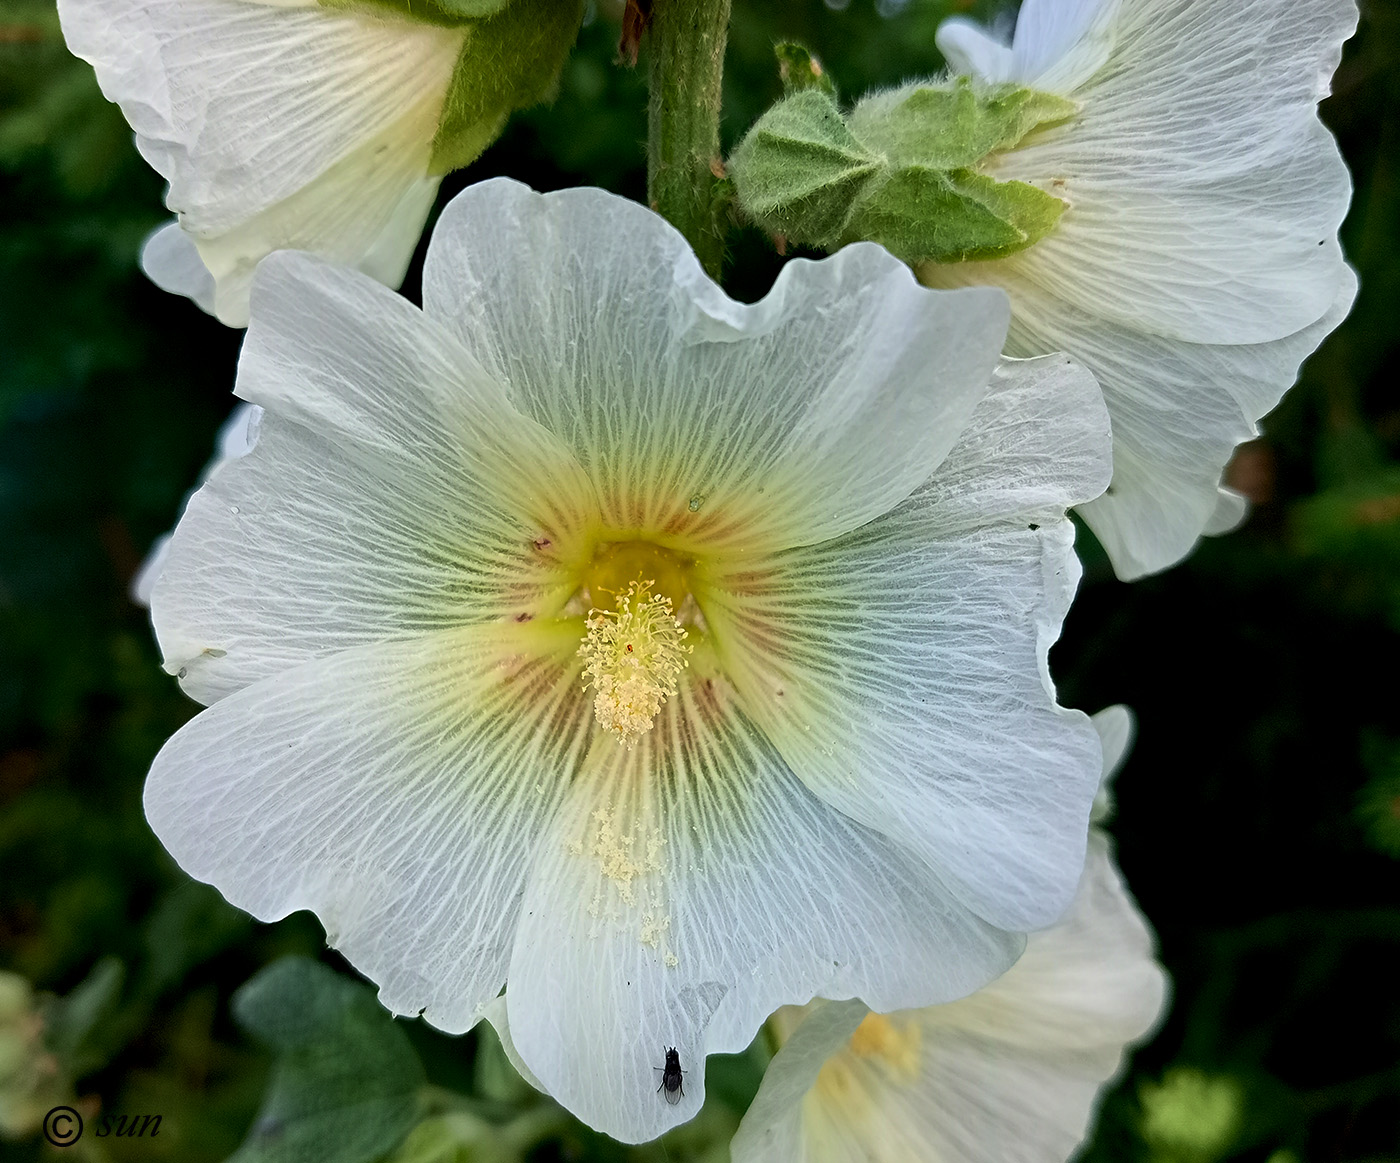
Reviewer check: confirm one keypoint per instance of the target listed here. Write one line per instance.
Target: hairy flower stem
(683, 157)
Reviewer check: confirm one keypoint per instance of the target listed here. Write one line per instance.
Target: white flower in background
(288, 124)
(827, 759)
(1011, 1074)
(1197, 263)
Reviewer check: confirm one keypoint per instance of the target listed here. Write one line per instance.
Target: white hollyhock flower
(277, 123)
(293, 124)
(1011, 1074)
(1197, 263)
(837, 544)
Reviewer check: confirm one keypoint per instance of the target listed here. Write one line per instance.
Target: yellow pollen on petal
(633, 657)
(618, 855)
(654, 929)
(896, 1045)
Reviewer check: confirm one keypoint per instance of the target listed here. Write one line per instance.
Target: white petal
(276, 126)
(691, 886)
(387, 258)
(1117, 727)
(392, 491)
(366, 212)
(238, 435)
(1204, 193)
(1194, 90)
(1231, 509)
(1008, 1075)
(144, 582)
(339, 216)
(971, 51)
(1020, 1064)
(1236, 257)
(1197, 263)
(239, 105)
(171, 261)
(901, 670)
(772, 1129)
(1060, 44)
(495, 1013)
(235, 439)
(396, 790)
(1179, 411)
(803, 415)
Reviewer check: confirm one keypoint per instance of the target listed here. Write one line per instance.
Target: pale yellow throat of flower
(891, 1045)
(633, 658)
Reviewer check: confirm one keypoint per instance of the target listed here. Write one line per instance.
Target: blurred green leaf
(74, 1024)
(453, 1138)
(1356, 526)
(50, 104)
(190, 925)
(495, 1078)
(345, 1085)
(1378, 803)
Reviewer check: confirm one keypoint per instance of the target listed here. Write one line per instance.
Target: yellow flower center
(633, 656)
(617, 565)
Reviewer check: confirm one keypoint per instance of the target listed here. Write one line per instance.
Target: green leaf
(798, 69)
(921, 214)
(953, 126)
(190, 925)
(446, 12)
(345, 1086)
(1378, 804)
(799, 169)
(492, 1073)
(510, 61)
(453, 1138)
(76, 1025)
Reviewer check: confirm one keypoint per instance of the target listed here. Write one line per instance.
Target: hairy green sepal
(449, 13)
(902, 169)
(508, 61)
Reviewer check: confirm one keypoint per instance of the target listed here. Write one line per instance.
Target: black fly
(672, 1077)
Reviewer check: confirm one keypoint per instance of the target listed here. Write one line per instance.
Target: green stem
(687, 41)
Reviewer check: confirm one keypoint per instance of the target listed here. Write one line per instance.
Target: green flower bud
(799, 69)
(800, 170)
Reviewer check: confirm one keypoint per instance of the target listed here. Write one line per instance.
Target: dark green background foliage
(1258, 820)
